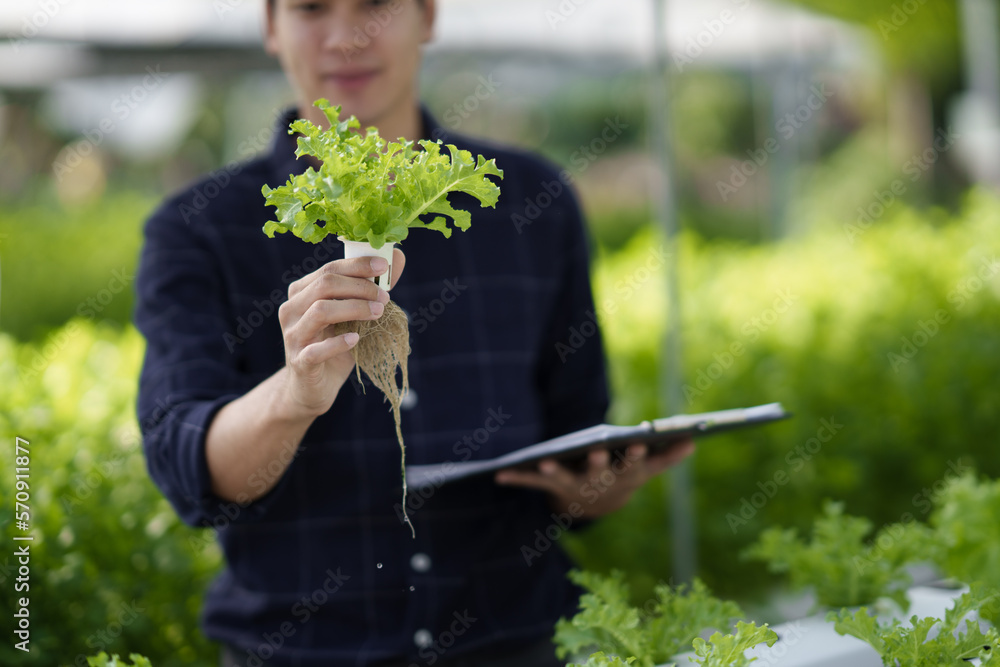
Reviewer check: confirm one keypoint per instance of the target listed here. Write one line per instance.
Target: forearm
(252, 441)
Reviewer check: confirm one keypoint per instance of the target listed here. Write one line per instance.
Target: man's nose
(344, 32)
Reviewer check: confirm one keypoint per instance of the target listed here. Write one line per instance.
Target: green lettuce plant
(718, 651)
(967, 533)
(843, 569)
(912, 644)
(102, 660)
(369, 190)
(729, 650)
(664, 627)
(599, 659)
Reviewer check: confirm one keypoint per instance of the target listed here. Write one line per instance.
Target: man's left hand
(605, 486)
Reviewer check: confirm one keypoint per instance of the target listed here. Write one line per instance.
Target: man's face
(361, 54)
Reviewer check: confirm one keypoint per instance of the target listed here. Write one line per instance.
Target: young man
(260, 430)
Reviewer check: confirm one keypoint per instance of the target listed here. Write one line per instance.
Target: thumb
(398, 264)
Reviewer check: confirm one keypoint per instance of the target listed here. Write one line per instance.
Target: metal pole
(982, 68)
(982, 51)
(681, 507)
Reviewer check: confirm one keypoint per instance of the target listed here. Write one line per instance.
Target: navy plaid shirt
(321, 570)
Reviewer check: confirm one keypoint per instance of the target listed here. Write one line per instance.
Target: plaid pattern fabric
(321, 570)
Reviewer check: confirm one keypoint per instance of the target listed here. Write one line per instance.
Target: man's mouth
(352, 80)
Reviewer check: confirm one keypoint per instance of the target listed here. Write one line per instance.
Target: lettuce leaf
(967, 533)
(728, 650)
(600, 660)
(899, 644)
(662, 628)
(369, 190)
(844, 570)
(102, 660)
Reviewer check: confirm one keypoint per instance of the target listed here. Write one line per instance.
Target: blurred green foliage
(108, 550)
(917, 37)
(884, 348)
(60, 263)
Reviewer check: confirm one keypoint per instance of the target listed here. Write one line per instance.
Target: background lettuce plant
(838, 564)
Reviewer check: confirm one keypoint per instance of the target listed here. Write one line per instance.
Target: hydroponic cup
(364, 249)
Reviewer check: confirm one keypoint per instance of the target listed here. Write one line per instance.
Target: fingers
(532, 480)
(317, 353)
(657, 463)
(550, 477)
(327, 298)
(359, 267)
(327, 312)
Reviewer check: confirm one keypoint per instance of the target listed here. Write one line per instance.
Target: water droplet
(411, 588)
(379, 566)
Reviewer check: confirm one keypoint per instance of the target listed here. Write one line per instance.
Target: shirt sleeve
(188, 373)
(572, 368)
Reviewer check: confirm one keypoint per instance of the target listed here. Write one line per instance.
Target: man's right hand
(317, 362)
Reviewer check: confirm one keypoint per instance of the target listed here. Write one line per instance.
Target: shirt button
(409, 400)
(420, 562)
(423, 638)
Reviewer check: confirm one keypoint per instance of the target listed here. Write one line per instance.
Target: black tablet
(571, 449)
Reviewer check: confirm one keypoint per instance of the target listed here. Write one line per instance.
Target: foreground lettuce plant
(901, 644)
(654, 634)
(102, 660)
(729, 650)
(368, 190)
(719, 651)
